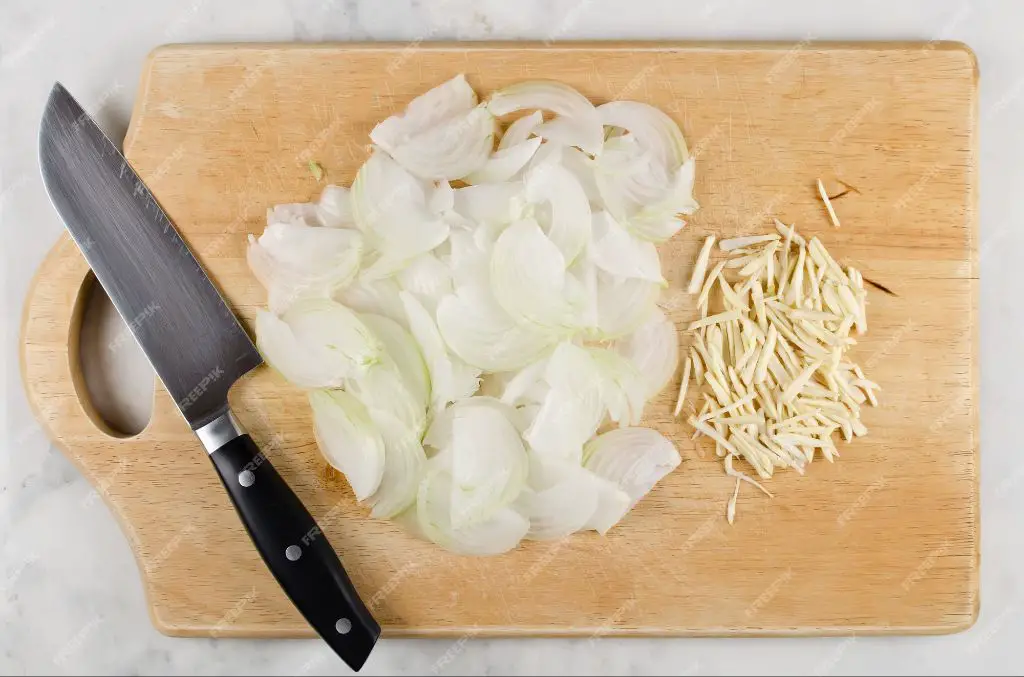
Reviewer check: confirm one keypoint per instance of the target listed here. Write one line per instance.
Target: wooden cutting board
(885, 540)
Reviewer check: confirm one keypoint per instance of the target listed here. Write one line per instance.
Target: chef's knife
(198, 348)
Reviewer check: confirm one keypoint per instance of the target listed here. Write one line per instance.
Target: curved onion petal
(655, 221)
(450, 378)
(550, 153)
(623, 388)
(634, 458)
(529, 280)
(317, 343)
(656, 227)
(451, 150)
(585, 271)
(653, 129)
(612, 505)
(523, 385)
(566, 131)
(623, 304)
(426, 278)
(296, 214)
(469, 259)
(335, 207)
(654, 350)
(520, 130)
(441, 198)
(565, 505)
(490, 202)
(499, 534)
(439, 435)
(400, 347)
(581, 125)
(301, 246)
(680, 198)
(582, 167)
(382, 193)
(390, 207)
(348, 439)
(642, 192)
(570, 225)
(379, 297)
(295, 261)
(404, 464)
(572, 411)
(442, 134)
(505, 163)
(489, 463)
(391, 401)
(401, 418)
(443, 102)
(619, 253)
(282, 351)
(485, 336)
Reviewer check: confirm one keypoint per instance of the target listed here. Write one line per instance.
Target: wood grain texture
(885, 540)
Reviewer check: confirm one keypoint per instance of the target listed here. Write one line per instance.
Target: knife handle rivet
(343, 626)
(246, 478)
(293, 552)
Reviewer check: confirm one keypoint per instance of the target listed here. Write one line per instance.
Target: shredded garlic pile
(771, 357)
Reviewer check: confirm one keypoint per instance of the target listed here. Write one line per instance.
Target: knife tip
(61, 114)
(57, 93)
(61, 108)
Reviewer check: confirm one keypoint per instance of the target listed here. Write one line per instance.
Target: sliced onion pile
(478, 356)
(769, 353)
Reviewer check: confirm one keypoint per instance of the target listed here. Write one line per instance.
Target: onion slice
(499, 534)
(561, 506)
(569, 227)
(654, 130)
(404, 462)
(654, 350)
(451, 379)
(480, 332)
(488, 461)
(579, 125)
(442, 134)
(623, 304)
(294, 261)
(520, 130)
(379, 297)
(402, 351)
(529, 280)
(573, 408)
(612, 505)
(505, 163)
(634, 458)
(317, 343)
(348, 439)
(427, 278)
(620, 253)
(335, 207)
(391, 207)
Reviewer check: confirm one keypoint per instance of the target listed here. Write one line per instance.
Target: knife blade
(198, 349)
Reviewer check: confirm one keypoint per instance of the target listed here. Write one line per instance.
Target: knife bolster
(219, 432)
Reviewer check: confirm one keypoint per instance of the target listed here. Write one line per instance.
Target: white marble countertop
(70, 595)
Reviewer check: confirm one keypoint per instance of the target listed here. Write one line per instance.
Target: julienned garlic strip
(697, 279)
(770, 354)
(828, 203)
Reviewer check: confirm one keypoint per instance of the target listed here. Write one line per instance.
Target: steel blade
(183, 324)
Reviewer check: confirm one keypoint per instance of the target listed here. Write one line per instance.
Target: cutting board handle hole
(113, 380)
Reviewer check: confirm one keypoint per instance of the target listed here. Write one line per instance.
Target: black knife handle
(296, 551)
